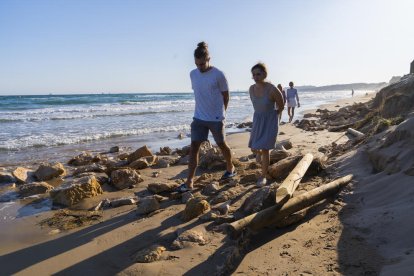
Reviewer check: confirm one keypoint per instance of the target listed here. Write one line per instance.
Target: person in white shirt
(211, 94)
(292, 98)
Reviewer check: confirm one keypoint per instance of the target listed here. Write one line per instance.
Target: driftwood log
(355, 133)
(276, 213)
(291, 182)
(282, 167)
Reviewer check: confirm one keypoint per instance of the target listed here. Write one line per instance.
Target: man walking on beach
(292, 100)
(211, 100)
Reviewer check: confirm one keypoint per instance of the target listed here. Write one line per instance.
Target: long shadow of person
(14, 262)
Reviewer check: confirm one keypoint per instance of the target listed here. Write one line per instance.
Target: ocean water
(32, 124)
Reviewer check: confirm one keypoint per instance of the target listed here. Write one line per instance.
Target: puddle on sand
(18, 208)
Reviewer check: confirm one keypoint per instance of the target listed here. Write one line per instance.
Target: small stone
(186, 237)
(149, 255)
(195, 207)
(163, 163)
(244, 159)
(211, 188)
(82, 159)
(114, 149)
(248, 178)
(123, 201)
(204, 177)
(54, 232)
(147, 205)
(123, 156)
(157, 188)
(185, 197)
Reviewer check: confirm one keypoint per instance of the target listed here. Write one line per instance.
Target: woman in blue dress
(264, 95)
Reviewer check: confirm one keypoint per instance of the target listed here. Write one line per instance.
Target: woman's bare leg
(265, 162)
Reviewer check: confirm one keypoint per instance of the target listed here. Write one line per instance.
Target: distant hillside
(349, 86)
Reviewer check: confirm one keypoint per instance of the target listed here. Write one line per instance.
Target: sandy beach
(363, 230)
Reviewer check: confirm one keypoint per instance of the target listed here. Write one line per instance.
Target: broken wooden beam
(281, 168)
(291, 182)
(277, 212)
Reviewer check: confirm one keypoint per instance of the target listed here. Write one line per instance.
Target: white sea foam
(78, 119)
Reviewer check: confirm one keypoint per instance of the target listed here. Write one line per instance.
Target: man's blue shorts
(200, 128)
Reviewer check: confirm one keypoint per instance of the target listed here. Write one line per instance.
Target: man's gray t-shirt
(208, 88)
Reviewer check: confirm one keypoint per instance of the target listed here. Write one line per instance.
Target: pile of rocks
(334, 120)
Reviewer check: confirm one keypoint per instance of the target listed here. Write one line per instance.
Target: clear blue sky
(86, 46)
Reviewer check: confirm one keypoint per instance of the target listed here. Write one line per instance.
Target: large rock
(194, 208)
(157, 188)
(7, 178)
(147, 205)
(72, 192)
(23, 175)
(125, 178)
(141, 152)
(34, 188)
(47, 171)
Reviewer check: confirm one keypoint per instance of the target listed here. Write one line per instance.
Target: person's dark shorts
(200, 128)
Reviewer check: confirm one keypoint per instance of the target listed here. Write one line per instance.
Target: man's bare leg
(193, 162)
(227, 155)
